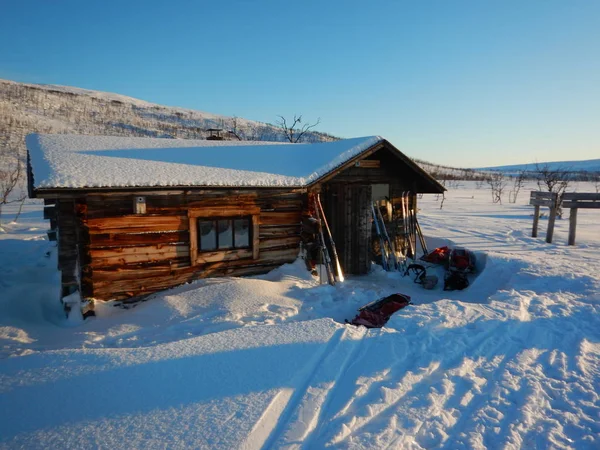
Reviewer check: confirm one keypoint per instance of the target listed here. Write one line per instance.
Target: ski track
(310, 399)
(515, 381)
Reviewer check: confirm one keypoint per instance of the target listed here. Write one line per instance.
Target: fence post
(536, 219)
(551, 219)
(572, 225)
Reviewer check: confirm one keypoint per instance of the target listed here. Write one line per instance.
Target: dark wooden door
(348, 210)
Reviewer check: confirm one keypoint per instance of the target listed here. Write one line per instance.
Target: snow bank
(76, 161)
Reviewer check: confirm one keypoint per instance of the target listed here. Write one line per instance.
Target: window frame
(198, 256)
(231, 221)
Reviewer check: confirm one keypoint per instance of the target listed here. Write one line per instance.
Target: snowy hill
(33, 108)
(589, 165)
(37, 108)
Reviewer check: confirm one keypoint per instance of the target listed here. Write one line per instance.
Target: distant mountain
(36, 108)
(589, 165)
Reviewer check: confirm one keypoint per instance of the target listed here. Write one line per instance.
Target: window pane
(242, 232)
(225, 234)
(207, 234)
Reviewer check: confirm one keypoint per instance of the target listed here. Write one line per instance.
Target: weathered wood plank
(275, 218)
(536, 220)
(581, 204)
(591, 196)
(278, 231)
(137, 224)
(137, 250)
(229, 255)
(551, 221)
(130, 239)
(224, 211)
(572, 226)
(279, 243)
(193, 239)
(255, 236)
(541, 202)
(368, 164)
(543, 194)
(129, 255)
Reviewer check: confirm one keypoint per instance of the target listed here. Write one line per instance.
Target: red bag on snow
(461, 260)
(438, 256)
(376, 314)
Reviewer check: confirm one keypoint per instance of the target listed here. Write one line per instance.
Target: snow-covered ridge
(589, 165)
(76, 161)
(32, 108)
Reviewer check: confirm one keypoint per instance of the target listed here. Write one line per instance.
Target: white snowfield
(266, 362)
(77, 161)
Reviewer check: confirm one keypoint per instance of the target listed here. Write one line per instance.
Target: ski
(340, 273)
(405, 213)
(412, 227)
(421, 238)
(390, 250)
(379, 235)
(324, 251)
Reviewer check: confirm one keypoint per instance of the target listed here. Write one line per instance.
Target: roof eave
(437, 188)
(158, 190)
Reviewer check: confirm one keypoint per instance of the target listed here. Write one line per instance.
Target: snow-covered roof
(77, 161)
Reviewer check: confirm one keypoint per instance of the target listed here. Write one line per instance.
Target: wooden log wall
(126, 255)
(66, 224)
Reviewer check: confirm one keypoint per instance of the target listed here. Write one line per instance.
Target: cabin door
(348, 210)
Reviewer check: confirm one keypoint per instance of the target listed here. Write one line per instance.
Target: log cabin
(132, 216)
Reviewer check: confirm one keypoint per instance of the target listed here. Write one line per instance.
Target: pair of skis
(388, 252)
(325, 257)
(411, 227)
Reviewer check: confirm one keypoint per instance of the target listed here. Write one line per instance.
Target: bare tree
(235, 131)
(257, 133)
(596, 181)
(552, 180)
(518, 183)
(296, 131)
(497, 182)
(11, 171)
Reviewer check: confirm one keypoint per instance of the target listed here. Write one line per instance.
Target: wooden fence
(574, 201)
(571, 200)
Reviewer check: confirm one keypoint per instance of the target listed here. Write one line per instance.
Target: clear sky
(467, 83)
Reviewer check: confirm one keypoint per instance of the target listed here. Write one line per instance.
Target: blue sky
(465, 83)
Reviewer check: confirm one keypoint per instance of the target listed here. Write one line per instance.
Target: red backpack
(461, 260)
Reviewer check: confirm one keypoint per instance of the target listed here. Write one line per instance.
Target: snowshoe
(421, 277)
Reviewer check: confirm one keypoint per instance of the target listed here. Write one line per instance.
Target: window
(223, 234)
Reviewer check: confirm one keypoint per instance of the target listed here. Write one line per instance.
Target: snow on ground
(266, 362)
